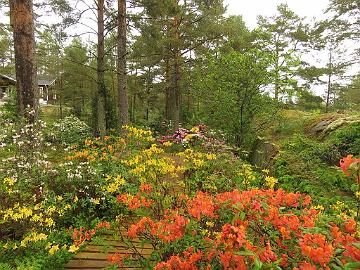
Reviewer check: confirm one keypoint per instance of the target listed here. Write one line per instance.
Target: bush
(69, 130)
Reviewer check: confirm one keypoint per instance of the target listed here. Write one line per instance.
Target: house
(47, 85)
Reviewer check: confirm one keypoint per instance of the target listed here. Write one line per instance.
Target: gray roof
(6, 80)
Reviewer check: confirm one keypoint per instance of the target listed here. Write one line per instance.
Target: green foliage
(306, 165)
(232, 95)
(347, 139)
(69, 130)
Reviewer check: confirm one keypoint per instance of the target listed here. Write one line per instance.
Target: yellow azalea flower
(15, 247)
(50, 210)
(210, 156)
(49, 222)
(319, 207)
(167, 144)
(357, 194)
(6, 246)
(266, 171)
(120, 180)
(59, 198)
(73, 249)
(95, 201)
(88, 142)
(36, 218)
(9, 181)
(210, 224)
(218, 235)
(198, 163)
(53, 249)
(195, 129)
(75, 199)
(270, 181)
(112, 188)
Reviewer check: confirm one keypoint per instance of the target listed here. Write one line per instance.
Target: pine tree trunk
(22, 21)
(168, 92)
(177, 76)
(99, 114)
(121, 63)
(177, 92)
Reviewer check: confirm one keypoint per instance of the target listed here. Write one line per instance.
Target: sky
(250, 9)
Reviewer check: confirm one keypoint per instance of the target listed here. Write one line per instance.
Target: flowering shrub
(248, 229)
(68, 130)
(183, 135)
(199, 209)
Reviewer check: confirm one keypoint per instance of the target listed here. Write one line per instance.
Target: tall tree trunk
(177, 76)
(22, 21)
(121, 64)
(99, 114)
(168, 92)
(328, 92)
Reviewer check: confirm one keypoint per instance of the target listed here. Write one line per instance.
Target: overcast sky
(249, 9)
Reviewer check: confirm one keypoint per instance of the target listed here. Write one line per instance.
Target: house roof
(6, 80)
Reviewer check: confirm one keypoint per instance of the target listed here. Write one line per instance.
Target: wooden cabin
(47, 85)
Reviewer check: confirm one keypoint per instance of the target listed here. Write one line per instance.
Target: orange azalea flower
(346, 162)
(201, 204)
(315, 247)
(104, 224)
(350, 226)
(115, 258)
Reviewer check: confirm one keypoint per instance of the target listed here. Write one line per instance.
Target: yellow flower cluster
(8, 184)
(115, 183)
(39, 214)
(270, 182)
(139, 134)
(167, 144)
(196, 160)
(318, 208)
(343, 211)
(246, 172)
(153, 150)
(33, 237)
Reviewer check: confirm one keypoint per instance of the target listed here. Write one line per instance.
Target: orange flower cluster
(346, 162)
(316, 248)
(168, 229)
(176, 262)
(242, 229)
(134, 202)
(233, 237)
(82, 235)
(201, 204)
(118, 259)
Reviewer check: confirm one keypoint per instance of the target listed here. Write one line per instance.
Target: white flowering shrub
(68, 131)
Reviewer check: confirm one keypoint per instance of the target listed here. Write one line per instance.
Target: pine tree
(22, 22)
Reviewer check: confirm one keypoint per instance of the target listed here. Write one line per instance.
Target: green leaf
(352, 265)
(245, 253)
(258, 264)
